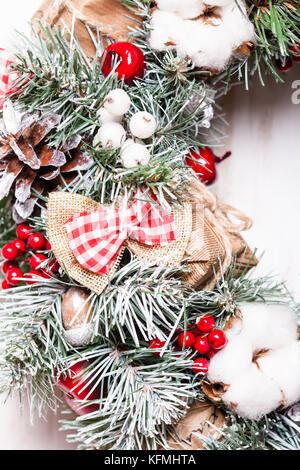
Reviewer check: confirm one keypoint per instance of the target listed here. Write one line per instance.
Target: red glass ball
(284, 66)
(30, 277)
(5, 285)
(48, 246)
(131, 58)
(156, 344)
(296, 52)
(14, 276)
(36, 241)
(211, 353)
(201, 345)
(201, 365)
(186, 339)
(203, 164)
(206, 324)
(53, 266)
(23, 231)
(9, 251)
(217, 339)
(20, 245)
(9, 265)
(36, 260)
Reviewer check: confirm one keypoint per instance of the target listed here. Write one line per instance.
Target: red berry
(53, 266)
(20, 245)
(186, 339)
(206, 324)
(201, 345)
(284, 66)
(30, 277)
(36, 260)
(5, 285)
(217, 339)
(203, 164)
(14, 276)
(131, 58)
(200, 365)
(23, 231)
(296, 52)
(9, 251)
(211, 353)
(156, 344)
(9, 265)
(36, 241)
(77, 386)
(48, 246)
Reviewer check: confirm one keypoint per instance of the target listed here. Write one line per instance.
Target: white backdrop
(261, 178)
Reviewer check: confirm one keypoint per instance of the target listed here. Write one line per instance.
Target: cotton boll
(219, 3)
(283, 366)
(110, 135)
(117, 102)
(105, 116)
(134, 154)
(237, 25)
(268, 325)
(253, 394)
(142, 125)
(184, 8)
(231, 361)
(165, 30)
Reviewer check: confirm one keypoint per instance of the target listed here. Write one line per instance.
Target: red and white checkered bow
(6, 78)
(95, 237)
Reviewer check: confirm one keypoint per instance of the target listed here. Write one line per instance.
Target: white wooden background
(262, 178)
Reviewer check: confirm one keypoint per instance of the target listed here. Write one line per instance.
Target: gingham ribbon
(95, 237)
(6, 78)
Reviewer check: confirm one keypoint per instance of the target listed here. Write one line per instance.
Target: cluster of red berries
(15, 254)
(288, 63)
(203, 337)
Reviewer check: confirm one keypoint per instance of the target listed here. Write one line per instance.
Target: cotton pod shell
(134, 154)
(105, 116)
(76, 316)
(117, 102)
(143, 125)
(110, 135)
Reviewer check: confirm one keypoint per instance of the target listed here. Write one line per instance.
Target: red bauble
(23, 231)
(201, 366)
(14, 276)
(53, 266)
(296, 50)
(186, 339)
(217, 339)
(30, 277)
(9, 251)
(48, 246)
(203, 164)
(36, 241)
(201, 345)
(284, 66)
(211, 353)
(20, 245)
(156, 344)
(36, 260)
(206, 324)
(131, 58)
(5, 285)
(76, 389)
(9, 265)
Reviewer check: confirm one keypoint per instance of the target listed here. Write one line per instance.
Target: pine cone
(27, 163)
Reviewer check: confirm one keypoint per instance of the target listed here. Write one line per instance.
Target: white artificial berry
(105, 116)
(110, 135)
(117, 102)
(134, 154)
(143, 125)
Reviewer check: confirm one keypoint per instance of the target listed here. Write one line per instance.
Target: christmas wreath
(129, 286)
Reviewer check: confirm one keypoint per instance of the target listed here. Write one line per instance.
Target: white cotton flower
(184, 8)
(105, 116)
(219, 3)
(117, 102)
(142, 125)
(110, 135)
(134, 154)
(253, 394)
(79, 336)
(165, 30)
